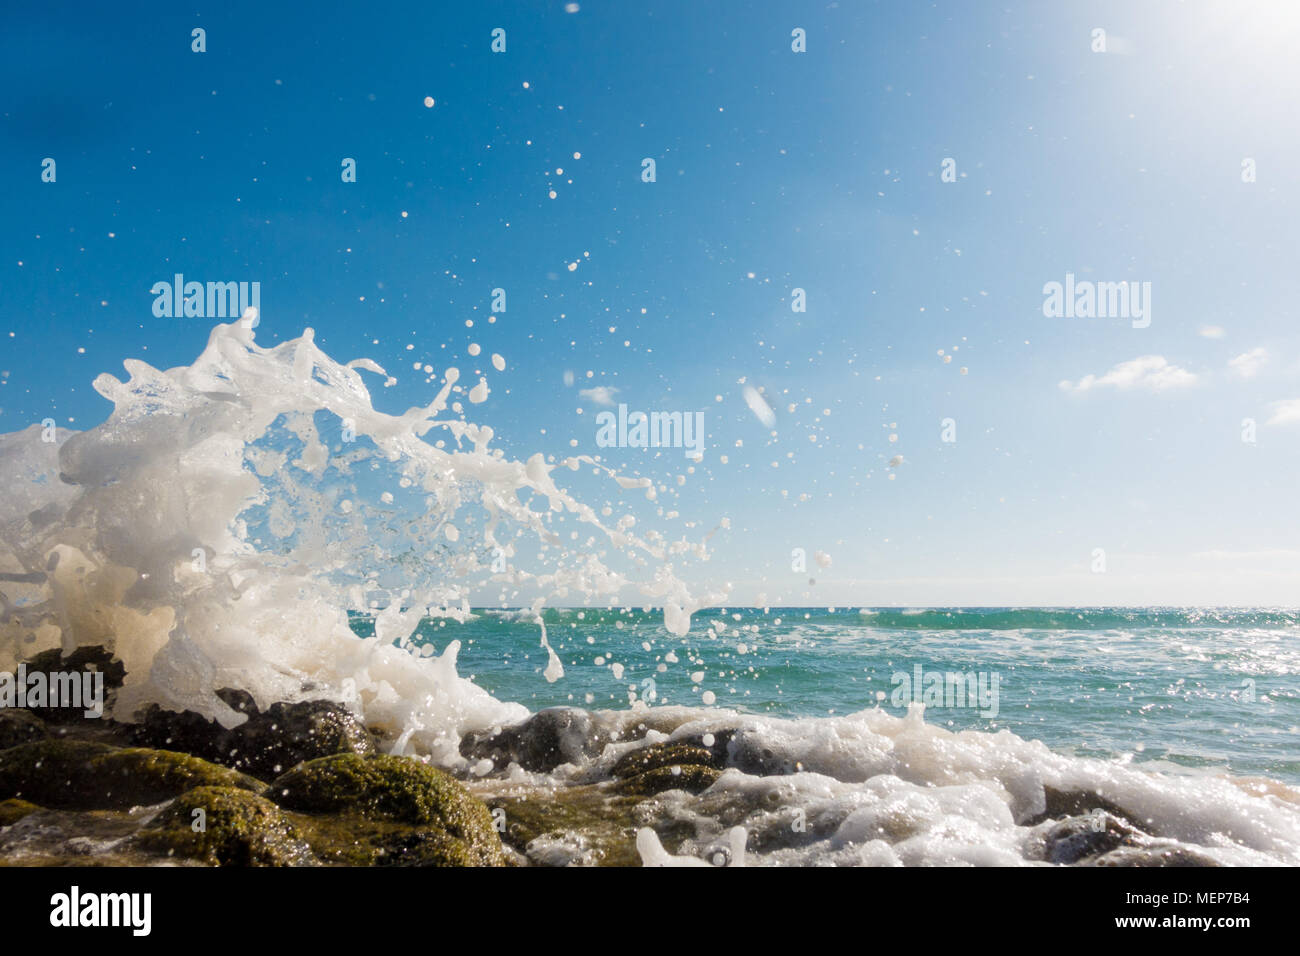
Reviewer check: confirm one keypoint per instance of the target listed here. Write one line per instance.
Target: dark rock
(1153, 856)
(238, 700)
(541, 743)
(81, 660)
(380, 787)
(20, 727)
(719, 746)
(225, 826)
(1074, 803)
(1077, 838)
(81, 775)
(288, 734)
(656, 756)
(689, 777)
(749, 752)
(186, 731)
(265, 745)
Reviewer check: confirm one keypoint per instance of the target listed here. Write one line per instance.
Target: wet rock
(1153, 856)
(541, 743)
(717, 743)
(401, 790)
(82, 775)
(20, 727)
(265, 745)
(749, 752)
(187, 732)
(603, 823)
(225, 826)
(662, 755)
(288, 734)
(692, 778)
(11, 811)
(1078, 838)
(1075, 803)
(350, 839)
(80, 661)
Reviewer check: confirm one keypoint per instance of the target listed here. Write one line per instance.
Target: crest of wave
(219, 527)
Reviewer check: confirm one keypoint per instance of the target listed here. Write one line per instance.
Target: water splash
(218, 528)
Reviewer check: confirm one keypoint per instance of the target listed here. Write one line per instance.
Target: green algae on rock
(226, 826)
(692, 778)
(381, 787)
(656, 756)
(12, 810)
(350, 839)
(605, 821)
(82, 775)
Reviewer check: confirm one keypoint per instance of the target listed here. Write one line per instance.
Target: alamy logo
(200, 300)
(1098, 300)
(655, 430)
(75, 908)
(77, 690)
(947, 689)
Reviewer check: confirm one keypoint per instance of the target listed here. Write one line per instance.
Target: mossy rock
(382, 787)
(692, 778)
(350, 839)
(82, 775)
(239, 828)
(661, 755)
(607, 820)
(11, 811)
(267, 744)
(20, 727)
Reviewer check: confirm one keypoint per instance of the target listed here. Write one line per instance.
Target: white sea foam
(873, 789)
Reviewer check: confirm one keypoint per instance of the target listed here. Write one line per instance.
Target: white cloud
(1150, 372)
(601, 394)
(1248, 363)
(1212, 332)
(1286, 412)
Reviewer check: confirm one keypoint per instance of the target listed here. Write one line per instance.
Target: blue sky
(776, 170)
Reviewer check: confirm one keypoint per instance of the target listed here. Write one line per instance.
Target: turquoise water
(1189, 688)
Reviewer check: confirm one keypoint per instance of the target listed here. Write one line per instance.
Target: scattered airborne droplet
(428, 102)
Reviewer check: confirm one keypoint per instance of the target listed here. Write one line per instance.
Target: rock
(11, 811)
(267, 744)
(541, 743)
(1074, 803)
(719, 745)
(20, 727)
(692, 778)
(661, 755)
(81, 660)
(1077, 838)
(1153, 856)
(289, 734)
(350, 839)
(381, 787)
(239, 828)
(80, 775)
(537, 818)
(749, 751)
(238, 700)
(186, 731)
